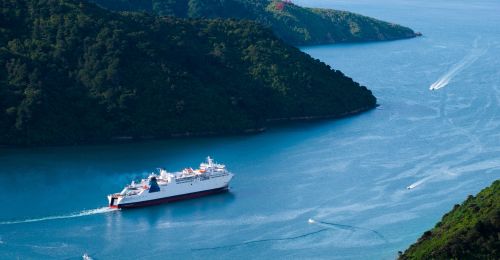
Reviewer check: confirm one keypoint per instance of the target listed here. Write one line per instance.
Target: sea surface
(348, 176)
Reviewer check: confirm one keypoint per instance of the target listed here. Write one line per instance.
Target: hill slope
(294, 24)
(71, 72)
(469, 231)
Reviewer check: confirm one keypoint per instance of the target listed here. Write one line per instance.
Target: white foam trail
(414, 185)
(465, 62)
(330, 225)
(73, 215)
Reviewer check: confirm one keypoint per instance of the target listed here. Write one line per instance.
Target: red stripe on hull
(173, 198)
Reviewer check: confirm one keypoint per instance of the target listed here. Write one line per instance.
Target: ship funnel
(153, 185)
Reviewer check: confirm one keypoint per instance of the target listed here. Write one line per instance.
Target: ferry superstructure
(163, 186)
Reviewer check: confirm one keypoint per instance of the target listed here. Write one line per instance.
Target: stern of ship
(114, 200)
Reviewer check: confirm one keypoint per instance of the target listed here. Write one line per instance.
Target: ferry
(163, 186)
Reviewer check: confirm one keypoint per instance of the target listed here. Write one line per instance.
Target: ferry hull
(171, 198)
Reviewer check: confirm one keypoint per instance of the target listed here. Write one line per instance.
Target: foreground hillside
(469, 231)
(294, 24)
(71, 72)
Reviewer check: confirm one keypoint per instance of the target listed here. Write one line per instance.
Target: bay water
(333, 189)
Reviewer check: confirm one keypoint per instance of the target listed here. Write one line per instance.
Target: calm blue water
(352, 171)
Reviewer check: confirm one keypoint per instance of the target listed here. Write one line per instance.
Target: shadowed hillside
(71, 72)
(294, 24)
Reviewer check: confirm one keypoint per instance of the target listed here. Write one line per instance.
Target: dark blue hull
(173, 198)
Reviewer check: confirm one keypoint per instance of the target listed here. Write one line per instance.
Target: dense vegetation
(294, 24)
(469, 231)
(71, 72)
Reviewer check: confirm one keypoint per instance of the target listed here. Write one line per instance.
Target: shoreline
(309, 118)
(315, 44)
(249, 131)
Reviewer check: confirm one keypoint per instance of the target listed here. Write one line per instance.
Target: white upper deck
(207, 170)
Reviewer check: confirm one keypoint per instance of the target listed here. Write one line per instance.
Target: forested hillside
(469, 231)
(294, 24)
(72, 72)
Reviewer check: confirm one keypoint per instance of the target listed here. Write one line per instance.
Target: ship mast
(210, 161)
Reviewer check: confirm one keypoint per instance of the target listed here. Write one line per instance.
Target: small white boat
(411, 186)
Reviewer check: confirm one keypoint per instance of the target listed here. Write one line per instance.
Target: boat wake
(72, 215)
(417, 183)
(345, 227)
(464, 63)
(262, 240)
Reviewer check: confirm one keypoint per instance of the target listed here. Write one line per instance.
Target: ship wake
(262, 240)
(417, 183)
(72, 215)
(346, 227)
(464, 63)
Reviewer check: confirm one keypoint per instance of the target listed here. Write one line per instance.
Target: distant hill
(72, 72)
(294, 24)
(469, 231)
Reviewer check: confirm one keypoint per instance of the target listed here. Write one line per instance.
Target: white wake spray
(72, 215)
(417, 183)
(474, 54)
